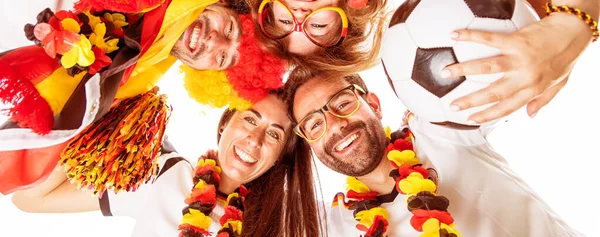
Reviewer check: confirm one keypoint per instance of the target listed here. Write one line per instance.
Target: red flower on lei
(400, 145)
(231, 213)
(54, 36)
(378, 223)
(421, 216)
(101, 60)
(405, 170)
(206, 169)
(194, 228)
(62, 14)
(206, 195)
(361, 196)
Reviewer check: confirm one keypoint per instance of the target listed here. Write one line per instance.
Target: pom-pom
(120, 150)
(28, 107)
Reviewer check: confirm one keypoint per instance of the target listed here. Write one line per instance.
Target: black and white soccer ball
(418, 45)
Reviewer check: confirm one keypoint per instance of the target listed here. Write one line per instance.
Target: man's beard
(365, 157)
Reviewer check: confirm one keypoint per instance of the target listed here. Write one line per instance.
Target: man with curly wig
(104, 50)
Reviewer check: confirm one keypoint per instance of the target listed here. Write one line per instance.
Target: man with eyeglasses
(341, 120)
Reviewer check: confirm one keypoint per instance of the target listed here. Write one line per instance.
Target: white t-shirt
(157, 208)
(486, 197)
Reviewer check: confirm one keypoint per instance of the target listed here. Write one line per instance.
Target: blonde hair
(359, 50)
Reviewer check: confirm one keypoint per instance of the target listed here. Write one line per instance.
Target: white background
(556, 152)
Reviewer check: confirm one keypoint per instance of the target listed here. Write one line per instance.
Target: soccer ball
(417, 46)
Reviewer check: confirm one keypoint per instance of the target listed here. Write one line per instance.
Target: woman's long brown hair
(282, 201)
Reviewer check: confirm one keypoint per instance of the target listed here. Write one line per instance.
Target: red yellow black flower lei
(430, 211)
(80, 40)
(202, 201)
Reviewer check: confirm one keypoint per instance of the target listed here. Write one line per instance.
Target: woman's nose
(300, 13)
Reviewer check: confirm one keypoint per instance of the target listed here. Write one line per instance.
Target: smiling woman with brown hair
(260, 183)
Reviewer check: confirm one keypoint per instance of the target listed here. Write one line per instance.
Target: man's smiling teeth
(194, 37)
(345, 144)
(245, 157)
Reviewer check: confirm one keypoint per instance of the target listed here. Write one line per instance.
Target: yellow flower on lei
(80, 54)
(367, 217)
(97, 39)
(196, 218)
(415, 183)
(431, 228)
(388, 132)
(93, 20)
(211, 162)
(401, 157)
(356, 185)
(200, 185)
(117, 19)
(236, 226)
(70, 24)
(232, 196)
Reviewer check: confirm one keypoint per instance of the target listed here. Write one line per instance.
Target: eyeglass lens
(343, 104)
(324, 26)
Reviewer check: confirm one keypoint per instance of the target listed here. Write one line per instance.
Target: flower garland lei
(203, 198)
(430, 211)
(81, 40)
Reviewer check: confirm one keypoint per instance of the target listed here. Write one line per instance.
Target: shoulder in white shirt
(157, 207)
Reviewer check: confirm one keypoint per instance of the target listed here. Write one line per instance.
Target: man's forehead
(222, 9)
(314, 94)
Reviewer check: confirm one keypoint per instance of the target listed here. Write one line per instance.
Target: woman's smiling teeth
(194, 37)
(244, 156)
(346, 143)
